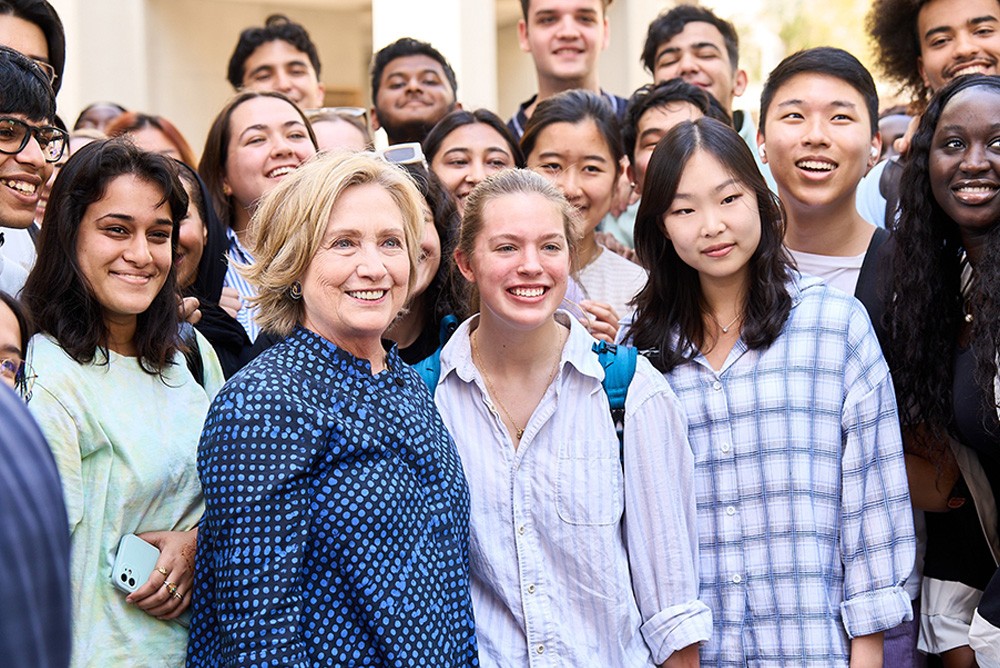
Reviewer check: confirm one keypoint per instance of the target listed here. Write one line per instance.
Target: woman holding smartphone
(115, 397)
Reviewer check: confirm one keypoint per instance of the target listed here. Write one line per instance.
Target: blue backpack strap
(429, 368)
(619, 368)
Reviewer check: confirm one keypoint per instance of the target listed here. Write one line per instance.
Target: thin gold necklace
(725, 330)
(494, 395)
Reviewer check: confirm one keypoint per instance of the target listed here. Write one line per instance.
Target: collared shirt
(579, 557)
(246, 316)
(804, 517)
(336, 522)
(520, 119)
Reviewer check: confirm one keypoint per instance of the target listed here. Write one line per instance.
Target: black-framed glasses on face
(15, 133)
(47, 70)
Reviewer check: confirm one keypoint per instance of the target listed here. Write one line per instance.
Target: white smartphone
(134, 563)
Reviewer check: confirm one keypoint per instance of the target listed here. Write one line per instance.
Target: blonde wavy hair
(289, 223)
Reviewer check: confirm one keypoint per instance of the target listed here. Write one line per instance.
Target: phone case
(134, 563)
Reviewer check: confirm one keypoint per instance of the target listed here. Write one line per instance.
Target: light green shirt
(126, 443)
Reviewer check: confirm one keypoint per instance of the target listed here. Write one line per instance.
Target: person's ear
(373, 118)
(923, 72)
(761, 148)
(607, 33)
(522, 36)
(464, 266)
(876, 150)
(739, 84)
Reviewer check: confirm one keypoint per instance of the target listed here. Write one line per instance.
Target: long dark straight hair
(669, 319)
(57, 294)
(925, 316)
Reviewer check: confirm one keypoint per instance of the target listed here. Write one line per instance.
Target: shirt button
(531, 589)
(731, 511)
(520, 530)
(540, 649)
(726, 447)
(716, 385)
(737, 579)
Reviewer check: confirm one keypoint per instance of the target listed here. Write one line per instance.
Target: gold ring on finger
(178, 595)
(161, 570)
(171, 587)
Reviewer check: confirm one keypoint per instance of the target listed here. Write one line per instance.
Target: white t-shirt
(839, 272)
(612, 279)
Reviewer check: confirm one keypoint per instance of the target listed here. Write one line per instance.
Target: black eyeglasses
(15, 133)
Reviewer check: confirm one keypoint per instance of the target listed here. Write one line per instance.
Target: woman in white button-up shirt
(580, 555)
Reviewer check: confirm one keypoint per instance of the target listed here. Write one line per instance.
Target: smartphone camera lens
(131, 582)
(124, 578)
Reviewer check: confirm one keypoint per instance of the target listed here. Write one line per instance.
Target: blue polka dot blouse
(336, 525)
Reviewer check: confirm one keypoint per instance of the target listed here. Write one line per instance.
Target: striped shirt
(246, 316)
(804, 519)
(561, 574)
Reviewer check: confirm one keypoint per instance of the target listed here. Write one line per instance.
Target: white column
(106, 56)
(464, 31)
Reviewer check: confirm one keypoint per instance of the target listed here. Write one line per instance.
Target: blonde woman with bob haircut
(330, 481)
(564, 518)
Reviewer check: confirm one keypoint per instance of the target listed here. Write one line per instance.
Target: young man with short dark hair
(33, 28)
(413, 87)
(28, 147)
(564, 38)
(819, 135)
(693, 43)
(278, 56)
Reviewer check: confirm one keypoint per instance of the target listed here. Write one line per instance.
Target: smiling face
(267, 140)
(652, 126)
(520, 261)
(958, 37)
(697, 54)
(713, 222)
(564, 37)
(467, 156)
(575, 157)
(964, 164)
(818, 143)
(123, 248)
(22, 176)
(356, 283)
(413, 95)
(278, 66)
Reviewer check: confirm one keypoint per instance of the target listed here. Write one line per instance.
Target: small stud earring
(295, 291)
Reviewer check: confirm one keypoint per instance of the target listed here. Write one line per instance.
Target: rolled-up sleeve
(660, 517)
(877, 540)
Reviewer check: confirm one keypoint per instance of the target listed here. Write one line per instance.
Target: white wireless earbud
(762, 151)
(874, 152)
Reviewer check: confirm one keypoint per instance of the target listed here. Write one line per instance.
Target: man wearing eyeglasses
(29, 145)
(33, 28)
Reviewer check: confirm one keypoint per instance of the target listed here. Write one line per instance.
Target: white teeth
(976, 189)
(815, 165)
(528, 292)
(368, 295)
(972, 69)
(280, 171)
(21, 186)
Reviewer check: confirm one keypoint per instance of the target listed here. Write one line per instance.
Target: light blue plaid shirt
(246, 316)
(804, 520)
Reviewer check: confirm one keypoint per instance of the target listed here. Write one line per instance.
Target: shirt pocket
(589, 489)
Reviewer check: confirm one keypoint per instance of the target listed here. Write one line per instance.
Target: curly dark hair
(925, 316)
(669, 321)
(892, 26)
(57, 294)
(276, 26)
(401, 48)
